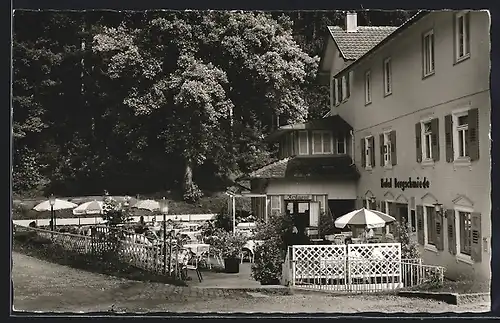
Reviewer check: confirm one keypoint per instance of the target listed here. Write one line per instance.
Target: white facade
(408, 99)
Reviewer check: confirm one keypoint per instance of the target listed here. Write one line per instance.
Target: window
(340, 94)
(368, 87)
(427, 140)
(387, 76)
(430, 225)
(322, 142)
(465, 232)
(462, 135)
(346, 86)
(428, 53)
(462, 36)
(303, 143)
(275, 201)
(387, 149)
(368, 152)
(341, 144)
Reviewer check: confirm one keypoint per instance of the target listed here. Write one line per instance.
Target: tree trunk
(187, 181)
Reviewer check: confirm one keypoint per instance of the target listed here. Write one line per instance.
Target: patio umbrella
(57, 205)
(369, 218)
(92, 207)
(150, 205)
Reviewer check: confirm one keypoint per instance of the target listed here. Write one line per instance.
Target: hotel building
(408, 133)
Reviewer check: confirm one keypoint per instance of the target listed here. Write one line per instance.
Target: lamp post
(164, 211)
(52, 201)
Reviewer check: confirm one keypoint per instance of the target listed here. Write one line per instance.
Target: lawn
(23, 208)
(460, 287)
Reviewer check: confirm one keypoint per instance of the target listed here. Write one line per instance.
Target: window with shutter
(465, 132)
(382, 145)
(430, 225)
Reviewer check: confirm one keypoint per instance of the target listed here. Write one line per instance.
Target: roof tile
(353, 45)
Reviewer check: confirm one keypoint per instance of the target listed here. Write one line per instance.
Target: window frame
(278, 197)
(427, 245)
(368, 87)
(368, 157)
(307, 143)
(322, 133)
(459, 255)
(457, 137)
(455, 134)
(428, 54)
(387, 72)
(387, 149)
(340, 90)
(465, 15)
(423, 141)
(344, 141)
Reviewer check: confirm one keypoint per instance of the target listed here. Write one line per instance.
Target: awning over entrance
(332, 123)
(331, 167)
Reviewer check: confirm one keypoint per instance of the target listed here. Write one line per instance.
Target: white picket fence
(353, 268)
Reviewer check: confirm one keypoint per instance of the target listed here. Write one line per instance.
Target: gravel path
(44, 286)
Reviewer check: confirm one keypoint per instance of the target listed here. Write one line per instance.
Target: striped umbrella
(365, 217)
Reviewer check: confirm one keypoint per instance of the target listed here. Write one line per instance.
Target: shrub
(326, 224)
(227, 244)
(223, 219)
(267, 268)
(409, 248)
(192, 194)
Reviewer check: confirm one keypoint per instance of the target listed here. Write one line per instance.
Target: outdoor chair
(191, 263)
(249, 252)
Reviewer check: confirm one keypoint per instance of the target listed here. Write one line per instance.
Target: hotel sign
(298, 197)
(404, 184)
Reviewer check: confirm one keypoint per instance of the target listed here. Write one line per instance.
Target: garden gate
(348, 268)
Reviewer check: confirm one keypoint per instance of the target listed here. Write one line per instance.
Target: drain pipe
(353, 145)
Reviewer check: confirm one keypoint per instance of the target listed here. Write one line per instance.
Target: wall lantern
(372, 199)
(438, 207)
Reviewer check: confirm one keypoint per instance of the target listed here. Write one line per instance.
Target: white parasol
(92, 207)
(58, 205)
(365, 217)
(150, 205)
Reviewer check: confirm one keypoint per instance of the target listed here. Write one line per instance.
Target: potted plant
(229, 246)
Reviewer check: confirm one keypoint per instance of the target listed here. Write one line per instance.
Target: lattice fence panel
(319, 261)
(374, 263)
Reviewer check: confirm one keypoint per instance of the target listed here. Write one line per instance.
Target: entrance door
(299, 211)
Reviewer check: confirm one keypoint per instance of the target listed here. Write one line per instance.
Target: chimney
(351, 22)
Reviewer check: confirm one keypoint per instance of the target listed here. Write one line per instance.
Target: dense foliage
(149, 101)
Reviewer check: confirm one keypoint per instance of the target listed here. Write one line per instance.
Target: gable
(462, 200)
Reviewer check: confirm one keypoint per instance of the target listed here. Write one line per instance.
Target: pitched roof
(338, 167)
(419, 15)
(353, 45)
